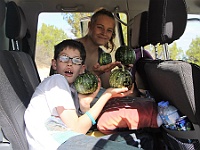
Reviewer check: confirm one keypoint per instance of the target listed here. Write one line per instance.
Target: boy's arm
(83, 123)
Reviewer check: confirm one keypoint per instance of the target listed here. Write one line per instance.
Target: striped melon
(120, 78)
(105, 58)
(125, 55)
(86, 83)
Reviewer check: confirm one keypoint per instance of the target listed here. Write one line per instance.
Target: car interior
(149, 22)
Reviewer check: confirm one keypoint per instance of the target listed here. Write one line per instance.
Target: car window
(74, 25)
(54, 27)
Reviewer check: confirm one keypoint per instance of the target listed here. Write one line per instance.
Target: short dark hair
(71, 44)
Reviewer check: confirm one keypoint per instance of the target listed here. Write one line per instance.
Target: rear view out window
(55, 27)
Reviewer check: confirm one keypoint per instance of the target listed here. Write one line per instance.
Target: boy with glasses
(53, 118)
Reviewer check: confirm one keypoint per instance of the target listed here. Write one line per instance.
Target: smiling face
(67, 68)
(101, 30)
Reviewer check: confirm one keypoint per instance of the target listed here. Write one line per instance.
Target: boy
(52, 118)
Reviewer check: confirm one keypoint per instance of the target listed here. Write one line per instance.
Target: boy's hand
(120, 92)
(85, 100)
(98, 69)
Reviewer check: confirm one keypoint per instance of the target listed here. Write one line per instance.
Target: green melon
(105, 58)
(120, 78)
(125, 55)
(86, 83)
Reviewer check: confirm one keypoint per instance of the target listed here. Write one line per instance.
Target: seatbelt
(2, 138)
(1, 135)
(4, 143)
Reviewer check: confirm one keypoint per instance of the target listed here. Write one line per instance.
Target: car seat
(2, 12)
(18, 80)
(174, 81)
(139, 39)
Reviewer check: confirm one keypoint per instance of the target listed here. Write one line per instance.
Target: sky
(56, 19)
(191, 32)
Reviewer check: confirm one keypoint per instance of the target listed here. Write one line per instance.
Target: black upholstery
(17, 84)
(18, 80)
(178, 85)
(167, 20)
(139, 30)
(175, 81)
(16, 29)
(16, 26)
(2, 12)
(139, 39)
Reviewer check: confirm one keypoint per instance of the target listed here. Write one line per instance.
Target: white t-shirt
(52, 92)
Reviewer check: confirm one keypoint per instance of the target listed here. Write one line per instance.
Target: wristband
(91, 118)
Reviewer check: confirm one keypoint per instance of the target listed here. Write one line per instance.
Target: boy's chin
(70, 80)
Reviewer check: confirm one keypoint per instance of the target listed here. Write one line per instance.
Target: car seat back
(14, 98)
(2, 12)
(174, 81)
(139, 32)
(18, 80)
(167, 20)
(178, 83)
(139, 39)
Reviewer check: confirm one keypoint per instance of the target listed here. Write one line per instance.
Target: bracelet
(91, 118)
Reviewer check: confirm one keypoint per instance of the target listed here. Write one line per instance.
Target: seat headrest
(16, 26)
(167, 20)
(139, 30)
(2, 11)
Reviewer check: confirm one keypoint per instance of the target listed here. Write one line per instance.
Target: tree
(47, 37)
(156, 51)
(175, 52)
(193, 51)
(74, 20)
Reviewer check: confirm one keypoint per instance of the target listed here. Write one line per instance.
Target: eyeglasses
(75, 60)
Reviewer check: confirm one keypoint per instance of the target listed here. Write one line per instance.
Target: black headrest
(139, 30)
(167, 20)
(2, 11)
(16, 26)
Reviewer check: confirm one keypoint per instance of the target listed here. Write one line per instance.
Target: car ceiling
(89, 5)
(32, 8)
